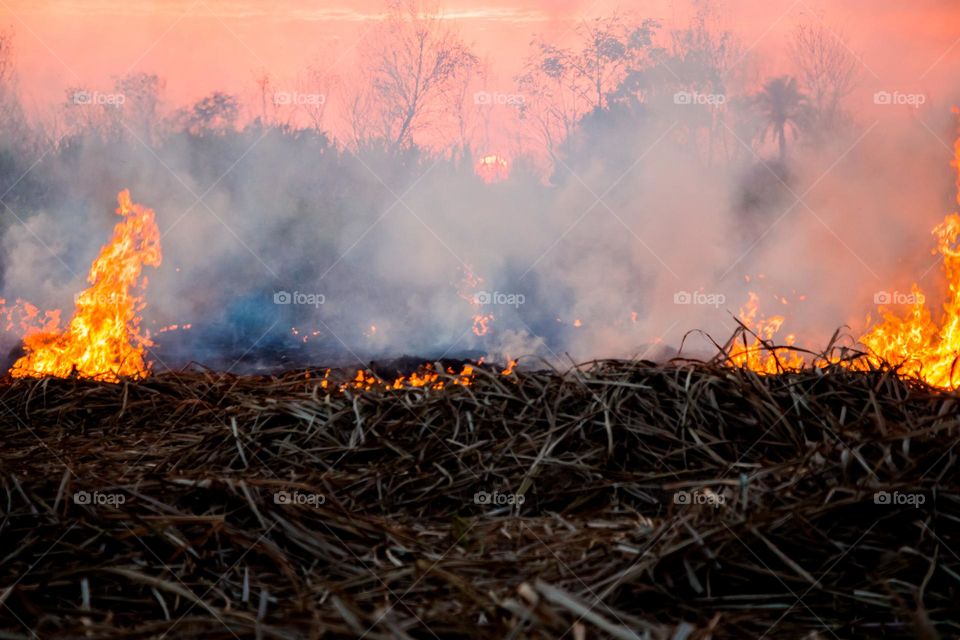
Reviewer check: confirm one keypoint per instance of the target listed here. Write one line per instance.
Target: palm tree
(783, 107)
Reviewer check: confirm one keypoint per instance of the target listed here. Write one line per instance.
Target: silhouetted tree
(141, 104)
(782, 108)
(12, 119)
(412, 62)
(561, 85)
(828, 70)
(215, 114)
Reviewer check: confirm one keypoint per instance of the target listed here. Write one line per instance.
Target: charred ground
(789, 538)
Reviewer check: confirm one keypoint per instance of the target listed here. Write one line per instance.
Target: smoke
(282, 248)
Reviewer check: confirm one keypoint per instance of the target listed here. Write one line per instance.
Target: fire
(492, 168)
(103, 339)
(427, 377)
(752, 352)
(469, 291)
(919, 344)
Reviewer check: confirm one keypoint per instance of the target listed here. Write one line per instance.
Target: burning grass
(685, 500)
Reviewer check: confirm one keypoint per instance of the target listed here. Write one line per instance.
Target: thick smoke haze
(592, 247)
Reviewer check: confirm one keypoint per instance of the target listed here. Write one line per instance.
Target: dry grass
(199, 548)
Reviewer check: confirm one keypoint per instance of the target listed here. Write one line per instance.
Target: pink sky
(203, 45)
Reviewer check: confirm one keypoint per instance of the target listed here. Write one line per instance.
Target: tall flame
(103, 339)
(919, 344)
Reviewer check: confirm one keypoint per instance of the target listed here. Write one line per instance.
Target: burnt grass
(674, 501)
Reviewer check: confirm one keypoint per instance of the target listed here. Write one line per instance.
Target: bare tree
(827, 68)
(140, 108)
(560, 85)
(6, 57)
(85, 115)
(551, 97)
(316, 85)
(608, 47)
(266, 97)
(702, 65)
(14, 128)
(412, 62)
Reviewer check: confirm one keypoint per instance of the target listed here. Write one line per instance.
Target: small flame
(751, 352)
(493, 168)
(427, 377)
(469, 291)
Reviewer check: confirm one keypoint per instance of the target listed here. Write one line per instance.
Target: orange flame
(917, 343)
(427, 377)
(103, 339)
(469, 291)
(750, 352)
(493, 168)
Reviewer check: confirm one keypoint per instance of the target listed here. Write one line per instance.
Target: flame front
(103, 339)
(917, 343)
